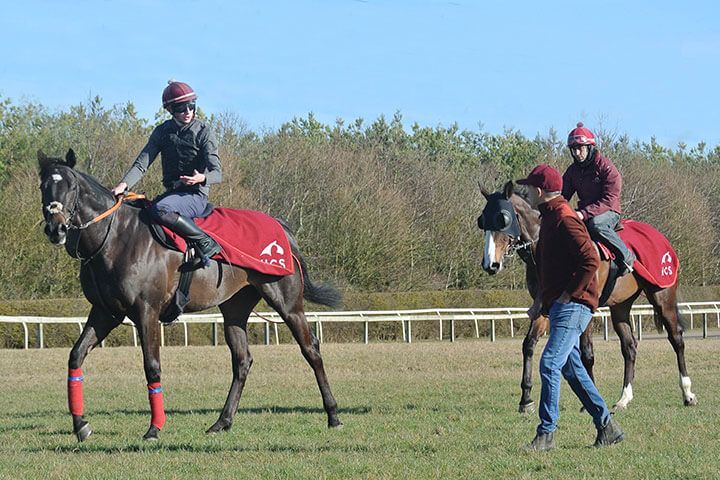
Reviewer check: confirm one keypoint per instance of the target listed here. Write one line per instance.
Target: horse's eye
(503, 219)
(480, 222)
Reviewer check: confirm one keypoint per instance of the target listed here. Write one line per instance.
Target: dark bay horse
(511, 226)
(124, 272)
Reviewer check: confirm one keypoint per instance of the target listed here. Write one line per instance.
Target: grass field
(425, 410)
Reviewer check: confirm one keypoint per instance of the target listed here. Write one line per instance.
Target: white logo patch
(56, 177)
(268, 252)
(666, 270)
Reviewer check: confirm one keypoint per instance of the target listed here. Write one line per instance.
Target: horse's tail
(682, 321)
(320, 293)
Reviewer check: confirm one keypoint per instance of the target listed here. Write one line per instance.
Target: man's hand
(564, 298)
(120, 189)
(580, 215)
(535, 311)
(193, 179)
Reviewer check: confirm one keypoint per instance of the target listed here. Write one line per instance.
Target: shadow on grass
(160, 446)
(359, 410)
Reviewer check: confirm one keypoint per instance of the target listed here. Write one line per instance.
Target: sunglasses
(183, 107)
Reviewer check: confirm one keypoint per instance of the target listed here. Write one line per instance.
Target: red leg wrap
(157, 409)
(75, 391)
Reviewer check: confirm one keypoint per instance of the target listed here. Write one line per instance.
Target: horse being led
(126, 273)
(512, 226)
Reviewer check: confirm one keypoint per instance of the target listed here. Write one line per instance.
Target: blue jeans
(562, 354)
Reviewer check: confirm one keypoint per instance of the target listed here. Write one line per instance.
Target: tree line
(377, 206)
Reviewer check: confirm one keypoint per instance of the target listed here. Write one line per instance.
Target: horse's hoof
(527, 408)
(84, 432)
(152, 434)
(336, 426)
(691, 402)
(218, 427)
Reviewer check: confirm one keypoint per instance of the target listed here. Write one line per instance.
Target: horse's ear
(485, 193)
(508, 189)
(70, 158)
(43, 160)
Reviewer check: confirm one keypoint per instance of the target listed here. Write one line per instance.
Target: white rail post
(640, 327)
(477, 328)
(440, 320)
(452, 330)
(185, 330)
(162, 335)
(492, 330)
(605, 327)
(705, 326)
(27, 335)
(367, 330)
(41, 335)
(512, 325)
(266, 329)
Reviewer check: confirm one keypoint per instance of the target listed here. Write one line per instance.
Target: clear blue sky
(642, 68)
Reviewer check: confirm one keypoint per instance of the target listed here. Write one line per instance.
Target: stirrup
(193, 259)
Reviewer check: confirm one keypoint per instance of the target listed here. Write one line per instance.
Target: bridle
(500, 216)
(56, 208)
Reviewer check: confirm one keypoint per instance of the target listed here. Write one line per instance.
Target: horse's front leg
(538, 327)
(149, 332)
(97, 327)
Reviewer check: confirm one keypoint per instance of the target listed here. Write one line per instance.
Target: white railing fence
(695, 311)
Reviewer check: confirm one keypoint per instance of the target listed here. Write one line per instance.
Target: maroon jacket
(598, 186)
(566, 257)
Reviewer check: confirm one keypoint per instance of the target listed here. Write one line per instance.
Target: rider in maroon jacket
(598, 183)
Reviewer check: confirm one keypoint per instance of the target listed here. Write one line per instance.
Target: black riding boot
(204, 244)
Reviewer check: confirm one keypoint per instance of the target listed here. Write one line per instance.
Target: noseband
(56, 208)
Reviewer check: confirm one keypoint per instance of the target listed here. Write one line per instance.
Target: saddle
(656, 260)
(159, 233)
(181, 297)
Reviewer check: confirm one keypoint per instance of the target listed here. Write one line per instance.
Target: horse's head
(60, 195)
(502, 229)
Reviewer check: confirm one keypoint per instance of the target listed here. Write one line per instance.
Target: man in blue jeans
(567, 263)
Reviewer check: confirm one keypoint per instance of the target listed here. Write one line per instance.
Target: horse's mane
(94, 183)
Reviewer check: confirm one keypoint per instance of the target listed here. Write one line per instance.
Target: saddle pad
(249, 239)
(657, 261)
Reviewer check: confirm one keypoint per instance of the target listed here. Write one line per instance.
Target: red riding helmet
(580, 136)
(177, 92)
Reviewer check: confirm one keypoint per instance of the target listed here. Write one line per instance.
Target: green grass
(426, 410)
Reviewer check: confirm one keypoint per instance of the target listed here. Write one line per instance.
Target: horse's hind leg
(235, 313)
(290, 308)
(537, 328)
(620, 315)
(664, 303)
(98, 326)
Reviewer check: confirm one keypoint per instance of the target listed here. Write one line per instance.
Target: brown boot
(609, 434)
(542, 442)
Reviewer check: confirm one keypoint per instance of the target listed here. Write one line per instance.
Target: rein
(56, 207)
(120, 199)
